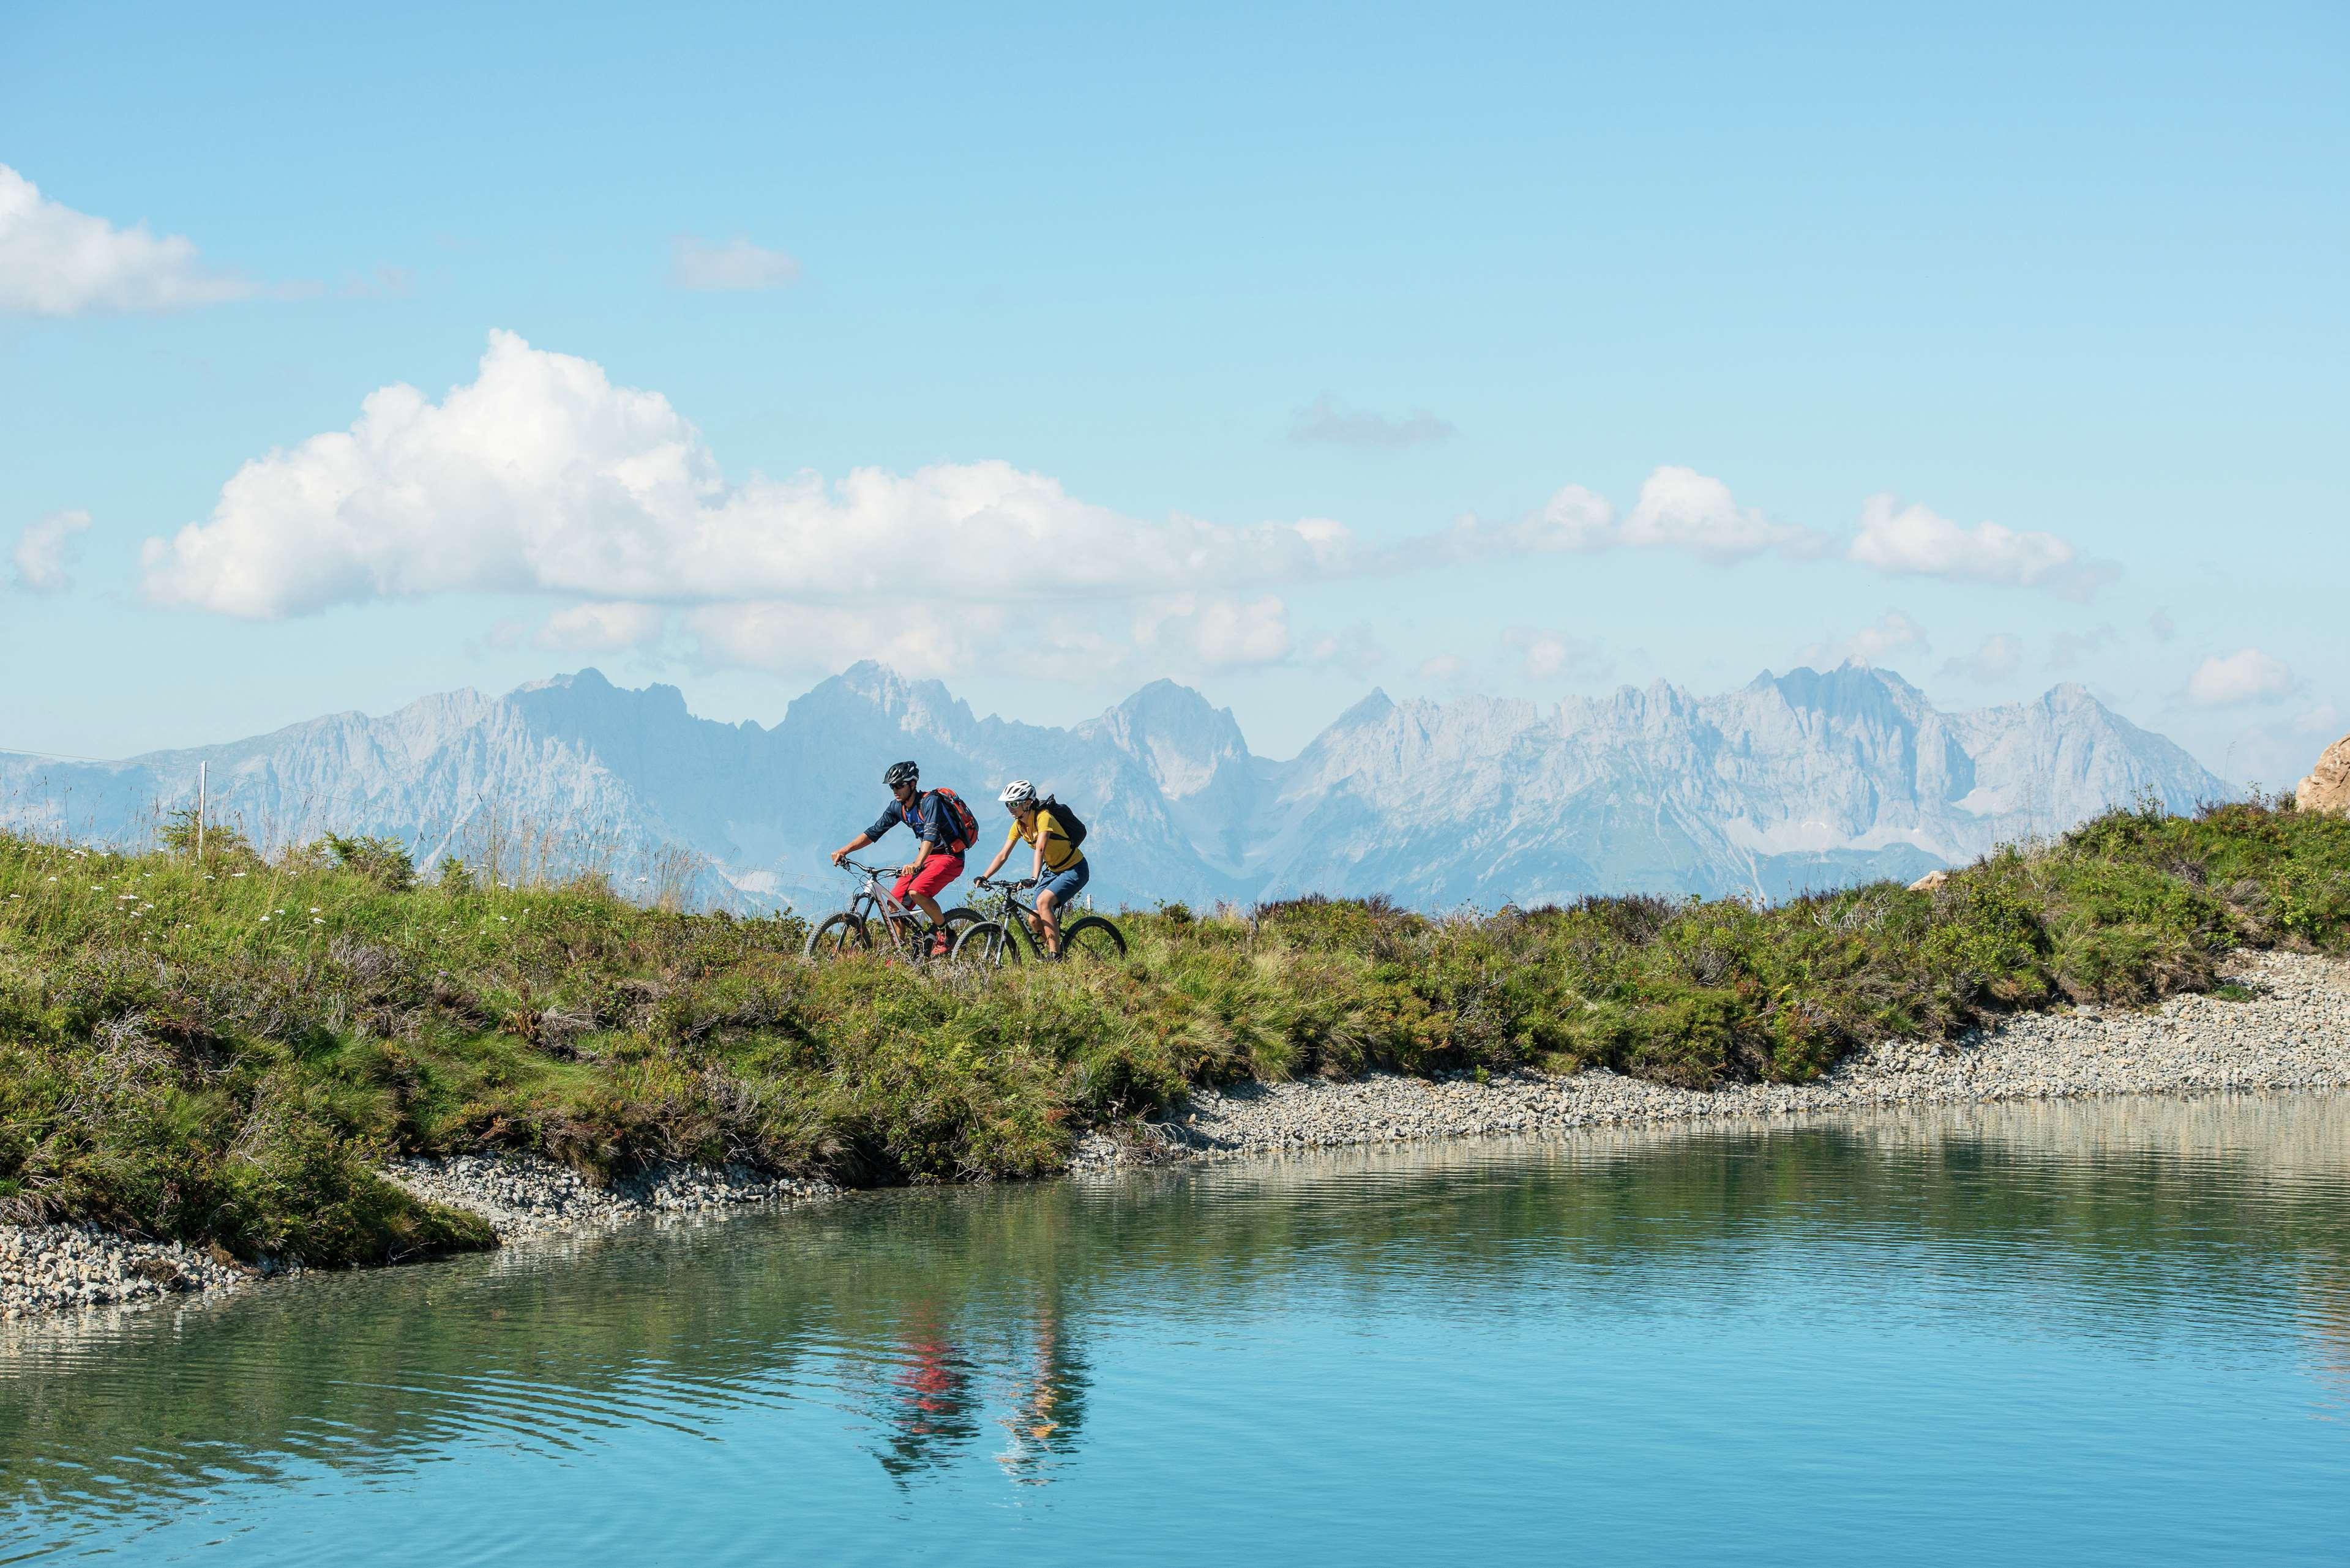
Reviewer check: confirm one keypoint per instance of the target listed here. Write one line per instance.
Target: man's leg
(899, 928)
(937, 872)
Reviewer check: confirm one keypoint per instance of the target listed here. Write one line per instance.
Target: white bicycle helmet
(1019, 791)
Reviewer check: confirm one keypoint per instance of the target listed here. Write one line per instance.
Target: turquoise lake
(2112, 1331)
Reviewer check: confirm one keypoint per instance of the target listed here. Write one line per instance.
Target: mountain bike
(904, 928)
(996, 940)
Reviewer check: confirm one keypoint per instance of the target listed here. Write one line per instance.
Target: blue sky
(1173, 345)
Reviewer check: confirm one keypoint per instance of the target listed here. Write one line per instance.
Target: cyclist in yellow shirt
(1061, 869)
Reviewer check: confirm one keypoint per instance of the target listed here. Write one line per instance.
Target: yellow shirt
(1059, 853)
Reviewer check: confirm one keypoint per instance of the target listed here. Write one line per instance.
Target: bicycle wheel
(837, 936)
(959, 919)
(1092, 941)
(987, 945)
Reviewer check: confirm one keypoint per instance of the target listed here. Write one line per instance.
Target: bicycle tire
(987, 945)
(1092, 941)
(837, 936)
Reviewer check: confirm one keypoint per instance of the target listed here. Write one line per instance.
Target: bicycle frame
(1007, 904)
(875, 901)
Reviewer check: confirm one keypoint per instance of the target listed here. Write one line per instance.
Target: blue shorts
(1064, 885)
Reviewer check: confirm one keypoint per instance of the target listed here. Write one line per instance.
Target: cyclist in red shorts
(939, 819)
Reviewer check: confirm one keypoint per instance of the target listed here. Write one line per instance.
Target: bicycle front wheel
(987, 945)
(1092, 941)
(838, 936)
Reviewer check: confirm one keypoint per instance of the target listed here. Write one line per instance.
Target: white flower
(265, 919)
(52, 878)
(318, 922)
(502, 917)
(236, 874)
(314, 909)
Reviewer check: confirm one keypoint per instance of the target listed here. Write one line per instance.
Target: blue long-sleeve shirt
(927, 817)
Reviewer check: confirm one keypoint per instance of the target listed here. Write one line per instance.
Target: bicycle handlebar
(1020, 886)
(871, 870)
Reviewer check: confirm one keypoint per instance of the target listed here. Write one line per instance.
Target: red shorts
(933, 875)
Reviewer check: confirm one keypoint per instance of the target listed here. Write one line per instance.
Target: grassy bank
(228, 1056)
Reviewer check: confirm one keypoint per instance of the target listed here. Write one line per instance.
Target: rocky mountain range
(1809, 779)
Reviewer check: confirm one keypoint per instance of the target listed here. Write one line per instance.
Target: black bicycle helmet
(902, 774)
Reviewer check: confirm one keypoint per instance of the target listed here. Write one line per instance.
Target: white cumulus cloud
(54, 261)
(1913, 541)
(542, 475)
(45, 549)
(2235, 679)
(1681, 509)
(1677, 509)
(736, 264)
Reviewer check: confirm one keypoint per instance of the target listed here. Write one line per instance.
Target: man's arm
(851, 847)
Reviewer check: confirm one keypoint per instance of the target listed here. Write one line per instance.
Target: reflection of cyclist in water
(932, 1413)
(1050, 1403)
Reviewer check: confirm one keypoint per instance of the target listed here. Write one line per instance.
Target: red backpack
(964, 826)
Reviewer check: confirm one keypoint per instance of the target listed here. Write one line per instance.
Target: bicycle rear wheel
(837, 936)
(987, 945)
(1092, 941)
(959, 919)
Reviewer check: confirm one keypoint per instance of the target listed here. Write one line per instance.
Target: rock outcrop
(2327, 788)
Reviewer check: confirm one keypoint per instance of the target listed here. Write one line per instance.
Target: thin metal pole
(200, 768)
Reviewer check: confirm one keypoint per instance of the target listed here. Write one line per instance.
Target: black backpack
(1071, 827)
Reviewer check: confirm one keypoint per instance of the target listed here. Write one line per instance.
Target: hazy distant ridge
(1802, 780)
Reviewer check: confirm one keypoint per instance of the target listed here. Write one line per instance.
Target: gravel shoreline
(2292, 1033)
(52, 1268)
(524, 1194)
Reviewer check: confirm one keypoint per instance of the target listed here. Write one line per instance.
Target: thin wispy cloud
(54, 261)
(738, 265)
(1891, 635)
(1325, 421)
(609, 627)
(1999, 657)
(45, 549)
(1546, 653)
(2069, 649)
(2239, 679)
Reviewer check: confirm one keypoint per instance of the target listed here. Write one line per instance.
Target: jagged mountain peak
(1850, 687)
(924, 708)
(1189, 746)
